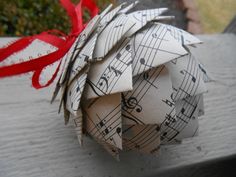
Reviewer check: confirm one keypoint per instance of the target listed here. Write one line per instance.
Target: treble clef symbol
(131, 103)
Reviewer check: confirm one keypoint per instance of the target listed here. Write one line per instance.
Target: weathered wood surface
(35, 142)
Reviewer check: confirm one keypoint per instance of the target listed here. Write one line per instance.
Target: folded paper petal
(129, 81)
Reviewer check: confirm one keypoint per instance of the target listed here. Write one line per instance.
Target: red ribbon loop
(63, 44)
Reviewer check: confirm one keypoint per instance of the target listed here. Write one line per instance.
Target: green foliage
(28, 17)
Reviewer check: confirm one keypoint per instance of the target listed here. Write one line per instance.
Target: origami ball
(131, 82)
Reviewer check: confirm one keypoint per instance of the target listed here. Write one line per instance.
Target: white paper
(129, 81)
(111, 35)
(107, 76)
(154, 46)
(184, 124)
(78, 122)
(186, 76)
(139, 84)
(103, 119)
(150, 100)
(142, 138)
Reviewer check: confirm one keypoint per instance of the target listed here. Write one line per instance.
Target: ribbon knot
(54, 37)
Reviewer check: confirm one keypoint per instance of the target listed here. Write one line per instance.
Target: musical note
(154, 35)
(163, 135)
(104, 122)
(156, 149)
(117, 63)
(193, 77)
(101, 123)
(150, 51)
(74, 93)
(202, 69)
(143, 85)
(127, 47)
(111, 70)
(116, 71)
(103, 82)
(168, 102)
(169, 119)
(118, 55)
(186, 109)
(146, 76)
(112, 34)
(131, 103)
(182, 110)
(117, 26)
(182, 36)
(78, 89)
(106, 131)
(174, 61)
(143, 62)
(118, 130)
(141, 137)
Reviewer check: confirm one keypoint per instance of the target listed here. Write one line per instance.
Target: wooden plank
(35, 142)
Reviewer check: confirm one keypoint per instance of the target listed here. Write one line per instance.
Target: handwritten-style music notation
(106, 126)
(142, 137)
(138, 83)
(114, 69)
(150, 50)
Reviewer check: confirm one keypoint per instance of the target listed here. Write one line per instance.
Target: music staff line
(147, 137)
(184, 121)
(188, 80)
(77, 88)
(107, 128)
(174, 128)
(117, 73)
(137, 95)
(145, 41)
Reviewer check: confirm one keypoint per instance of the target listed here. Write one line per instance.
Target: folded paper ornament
(131, 82)
(128, 81)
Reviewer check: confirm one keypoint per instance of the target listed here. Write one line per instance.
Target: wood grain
(34, 141)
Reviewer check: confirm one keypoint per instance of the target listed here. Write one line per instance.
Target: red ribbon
(63, 44)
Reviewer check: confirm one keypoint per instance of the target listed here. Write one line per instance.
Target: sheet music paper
(78, 122)
(184, 123)
(112, 34)
(139, 102)
(181, 36)
(129, 7)
(107, 16)
(201, 110)
(78, 59)
(142, 18)
(186, 77)
(75, 49)
(154, 46)
(123, 25)
(66, 61)
(142, 138)
(107, 76)
(103, 119)
(74, 93)
(83, 57)
(129, 81)
(113, 151)
(139, 84)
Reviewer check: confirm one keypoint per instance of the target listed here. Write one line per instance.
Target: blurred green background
(27, 17)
